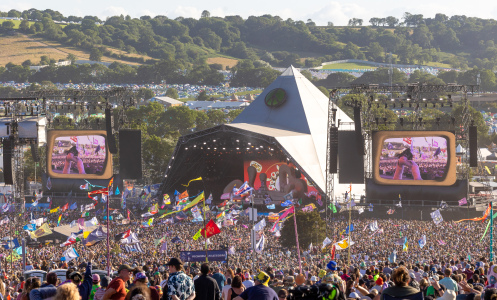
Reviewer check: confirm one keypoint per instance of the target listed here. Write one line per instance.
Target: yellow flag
(488, 170)
(197, 235)
(195, 201)
(86, 234)
(343, 244)
(150, 221)
(199, 178)
(41, 231)
(405, 247)
(54, 210)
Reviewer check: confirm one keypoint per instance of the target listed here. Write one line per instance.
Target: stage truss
(413, 97)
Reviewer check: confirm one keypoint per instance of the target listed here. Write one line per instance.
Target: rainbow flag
(58, 221)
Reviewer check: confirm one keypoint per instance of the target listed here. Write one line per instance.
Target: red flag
(128, 214)
(65, 207)
(111, 182)
(210, 230)
(97, 192)
(126, 234)
(333, 252)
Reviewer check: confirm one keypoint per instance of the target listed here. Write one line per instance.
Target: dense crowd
(448, 245)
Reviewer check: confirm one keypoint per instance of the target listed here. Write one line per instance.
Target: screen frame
(53, 134)
(379, 137)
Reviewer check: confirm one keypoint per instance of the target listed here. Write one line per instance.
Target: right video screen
(414, 157)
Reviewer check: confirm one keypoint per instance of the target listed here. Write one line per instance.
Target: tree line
(458, 40)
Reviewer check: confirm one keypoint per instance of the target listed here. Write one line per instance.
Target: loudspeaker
(473, 146)
(358, 129)
(109, 126)
(130, 154)
(333, 167)
(34, 153)
(350, 158)
(7, 161)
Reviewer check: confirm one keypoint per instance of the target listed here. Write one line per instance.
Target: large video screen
(78, 154)
(414, 157)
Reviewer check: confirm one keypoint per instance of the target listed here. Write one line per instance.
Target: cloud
(186, 12)
(111, 11)
(338, 13)
(20, 6)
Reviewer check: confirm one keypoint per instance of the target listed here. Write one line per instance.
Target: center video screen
(78, 154)
(414, 158)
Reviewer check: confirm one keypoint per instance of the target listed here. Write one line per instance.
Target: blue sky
(321, 12)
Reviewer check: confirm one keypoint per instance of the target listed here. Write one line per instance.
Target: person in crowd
(206, 287)
(67, 292)
(117, 287)
(104, 283)
(260, 291)
(179, 285)
(401, 288)
(236, 288)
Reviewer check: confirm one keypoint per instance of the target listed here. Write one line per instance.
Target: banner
(42, 231)
(212, 255)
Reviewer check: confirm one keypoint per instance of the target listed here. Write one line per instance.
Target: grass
(17, 49)
(225, 62)
(16, 23)
(348, 66)
(437, 64)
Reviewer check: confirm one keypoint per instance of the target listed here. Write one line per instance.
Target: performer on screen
(72, 156)
(405, 160)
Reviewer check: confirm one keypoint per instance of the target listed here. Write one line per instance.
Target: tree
(8, 25)
(202, 96)
(71, 57)
(172, 93)
(156, 155)
(392, 21)
(310, 225)
(24, 26)
(96, 54)
(205, 14)
(145, 93)
(324, 90)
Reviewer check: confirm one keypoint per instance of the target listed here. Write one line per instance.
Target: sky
(321, 12)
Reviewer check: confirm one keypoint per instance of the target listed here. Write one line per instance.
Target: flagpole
(491, 232)
(108, 232)
(297, 238)
(203, 209)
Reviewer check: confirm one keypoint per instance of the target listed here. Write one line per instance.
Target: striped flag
(133, 248)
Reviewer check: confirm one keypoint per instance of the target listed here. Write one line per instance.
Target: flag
(197, 235)
(390, 211)
(30, 227)
(231, 250)
(54, 210)
(407, 140)
(13, 257)
(5, 207)
(111, 181)
(167, 200)
(73, 206)
(209, 199)
(130, 239)
(176, 240)
(272, 206)
(133, 248)
(183, 196)
(150, 221)
(370, 206)
(72, 239)
(310, 246)
(42, 231)
(73, 223)
(58, 221)
(13, 244)
(333, 208)
(288, 196)
(393, 257)
(405, 247)
(244, 188)
(326, 242)
(443, 205)
(196, 179)
(210, 229)
(463, 201)
(260, 225)
(84, 186)
(422, 241)
(373, 226)
(35, 203)
(332, 252)
(436, 216)
(195, 201)
(488, 170)
(399, 204)
(350, 227)
(344, 244)
(163, 248)
(290, 210)
(49, 184)
(69, 255)
(485, 215)
(287, 203)
(95, 237)
(259, 247)
(65, 207)
(401, 241)
(98, 192)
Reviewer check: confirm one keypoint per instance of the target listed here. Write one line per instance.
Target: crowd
(449, 245)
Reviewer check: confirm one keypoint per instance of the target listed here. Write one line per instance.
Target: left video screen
(78, 154)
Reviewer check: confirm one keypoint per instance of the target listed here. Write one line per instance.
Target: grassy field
(348, 66)
(438, 64)
(225, 62)
(17, 49)
(17, 23)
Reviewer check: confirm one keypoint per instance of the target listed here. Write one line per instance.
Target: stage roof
(299, 125)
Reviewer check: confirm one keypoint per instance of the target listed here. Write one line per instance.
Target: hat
(363, 264)
(300, 279)
(290, 279)
(125, 267)
(354, 295)
(435, 277)
(104, 281)
(76, 276)
(263, 278)
(332, 265)
(140, 275)
(157, 273)
(314, 278)
(174, 262)
(379, 281)
(448, 295)
(425, 275)
(95, 278)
